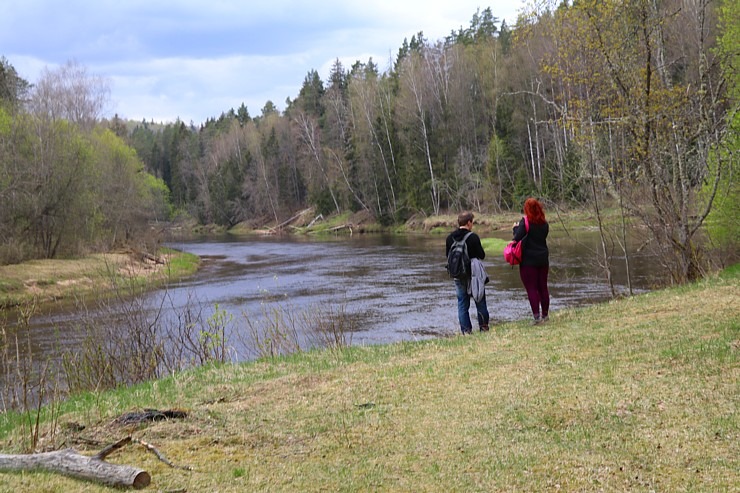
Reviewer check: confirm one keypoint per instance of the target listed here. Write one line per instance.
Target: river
(396, 287)
(392, 287)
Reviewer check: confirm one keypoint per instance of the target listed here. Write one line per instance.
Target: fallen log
(292, 218)
(148, 257)
(343, 226)
(71, 463)
(320, 216)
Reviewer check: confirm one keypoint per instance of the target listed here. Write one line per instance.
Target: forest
(627, 106)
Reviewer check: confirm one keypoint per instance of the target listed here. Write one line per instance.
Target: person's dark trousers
(534, 280)
(463, 307)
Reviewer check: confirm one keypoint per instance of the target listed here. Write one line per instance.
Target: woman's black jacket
(534, 249)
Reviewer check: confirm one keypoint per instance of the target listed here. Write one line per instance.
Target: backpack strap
(526, 224)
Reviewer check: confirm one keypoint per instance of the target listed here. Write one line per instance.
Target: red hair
(534, 211)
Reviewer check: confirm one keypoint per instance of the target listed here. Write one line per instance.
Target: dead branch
(112, 448)
(161, 456)
(317, 218)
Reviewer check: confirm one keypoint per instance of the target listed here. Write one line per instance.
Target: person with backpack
(461, 247)
(532, 230)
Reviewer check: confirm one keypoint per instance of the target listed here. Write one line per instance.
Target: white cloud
(195, 59)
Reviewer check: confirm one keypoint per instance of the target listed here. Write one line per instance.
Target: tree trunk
(71, 463)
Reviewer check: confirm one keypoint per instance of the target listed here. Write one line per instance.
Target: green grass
(9, 286)
(731, 272)
(181, 264)
(638, 394)
(494, 246)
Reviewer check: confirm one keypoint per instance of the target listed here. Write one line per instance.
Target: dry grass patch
(55, 279)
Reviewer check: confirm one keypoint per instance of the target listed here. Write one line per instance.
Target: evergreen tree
(243, 115)
(13, 88)
(311, 93)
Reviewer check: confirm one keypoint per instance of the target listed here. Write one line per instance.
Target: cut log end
(142, 480)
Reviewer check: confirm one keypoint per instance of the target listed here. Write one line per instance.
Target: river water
(391, 287)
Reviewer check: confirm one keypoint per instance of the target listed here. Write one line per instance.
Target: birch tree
(416, 108)
(70, 93)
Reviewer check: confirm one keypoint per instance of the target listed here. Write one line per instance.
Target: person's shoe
(545, 319)
(467, 332)
(537, 320)
(484, 328)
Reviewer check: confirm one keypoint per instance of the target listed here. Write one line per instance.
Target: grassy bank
(61, 279)
(639, 394)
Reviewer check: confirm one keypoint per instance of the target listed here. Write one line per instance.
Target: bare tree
(70, 93)
(309, 134)
(367, 109)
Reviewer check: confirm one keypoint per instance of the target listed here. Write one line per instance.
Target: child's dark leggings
(535, 282)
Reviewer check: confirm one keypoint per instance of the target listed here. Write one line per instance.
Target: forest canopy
(628, 105)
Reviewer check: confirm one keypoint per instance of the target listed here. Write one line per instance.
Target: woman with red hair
(535, 264)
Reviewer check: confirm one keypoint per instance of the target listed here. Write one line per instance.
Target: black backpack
(458, 260)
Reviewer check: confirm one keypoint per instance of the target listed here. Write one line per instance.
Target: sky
(196, 59)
